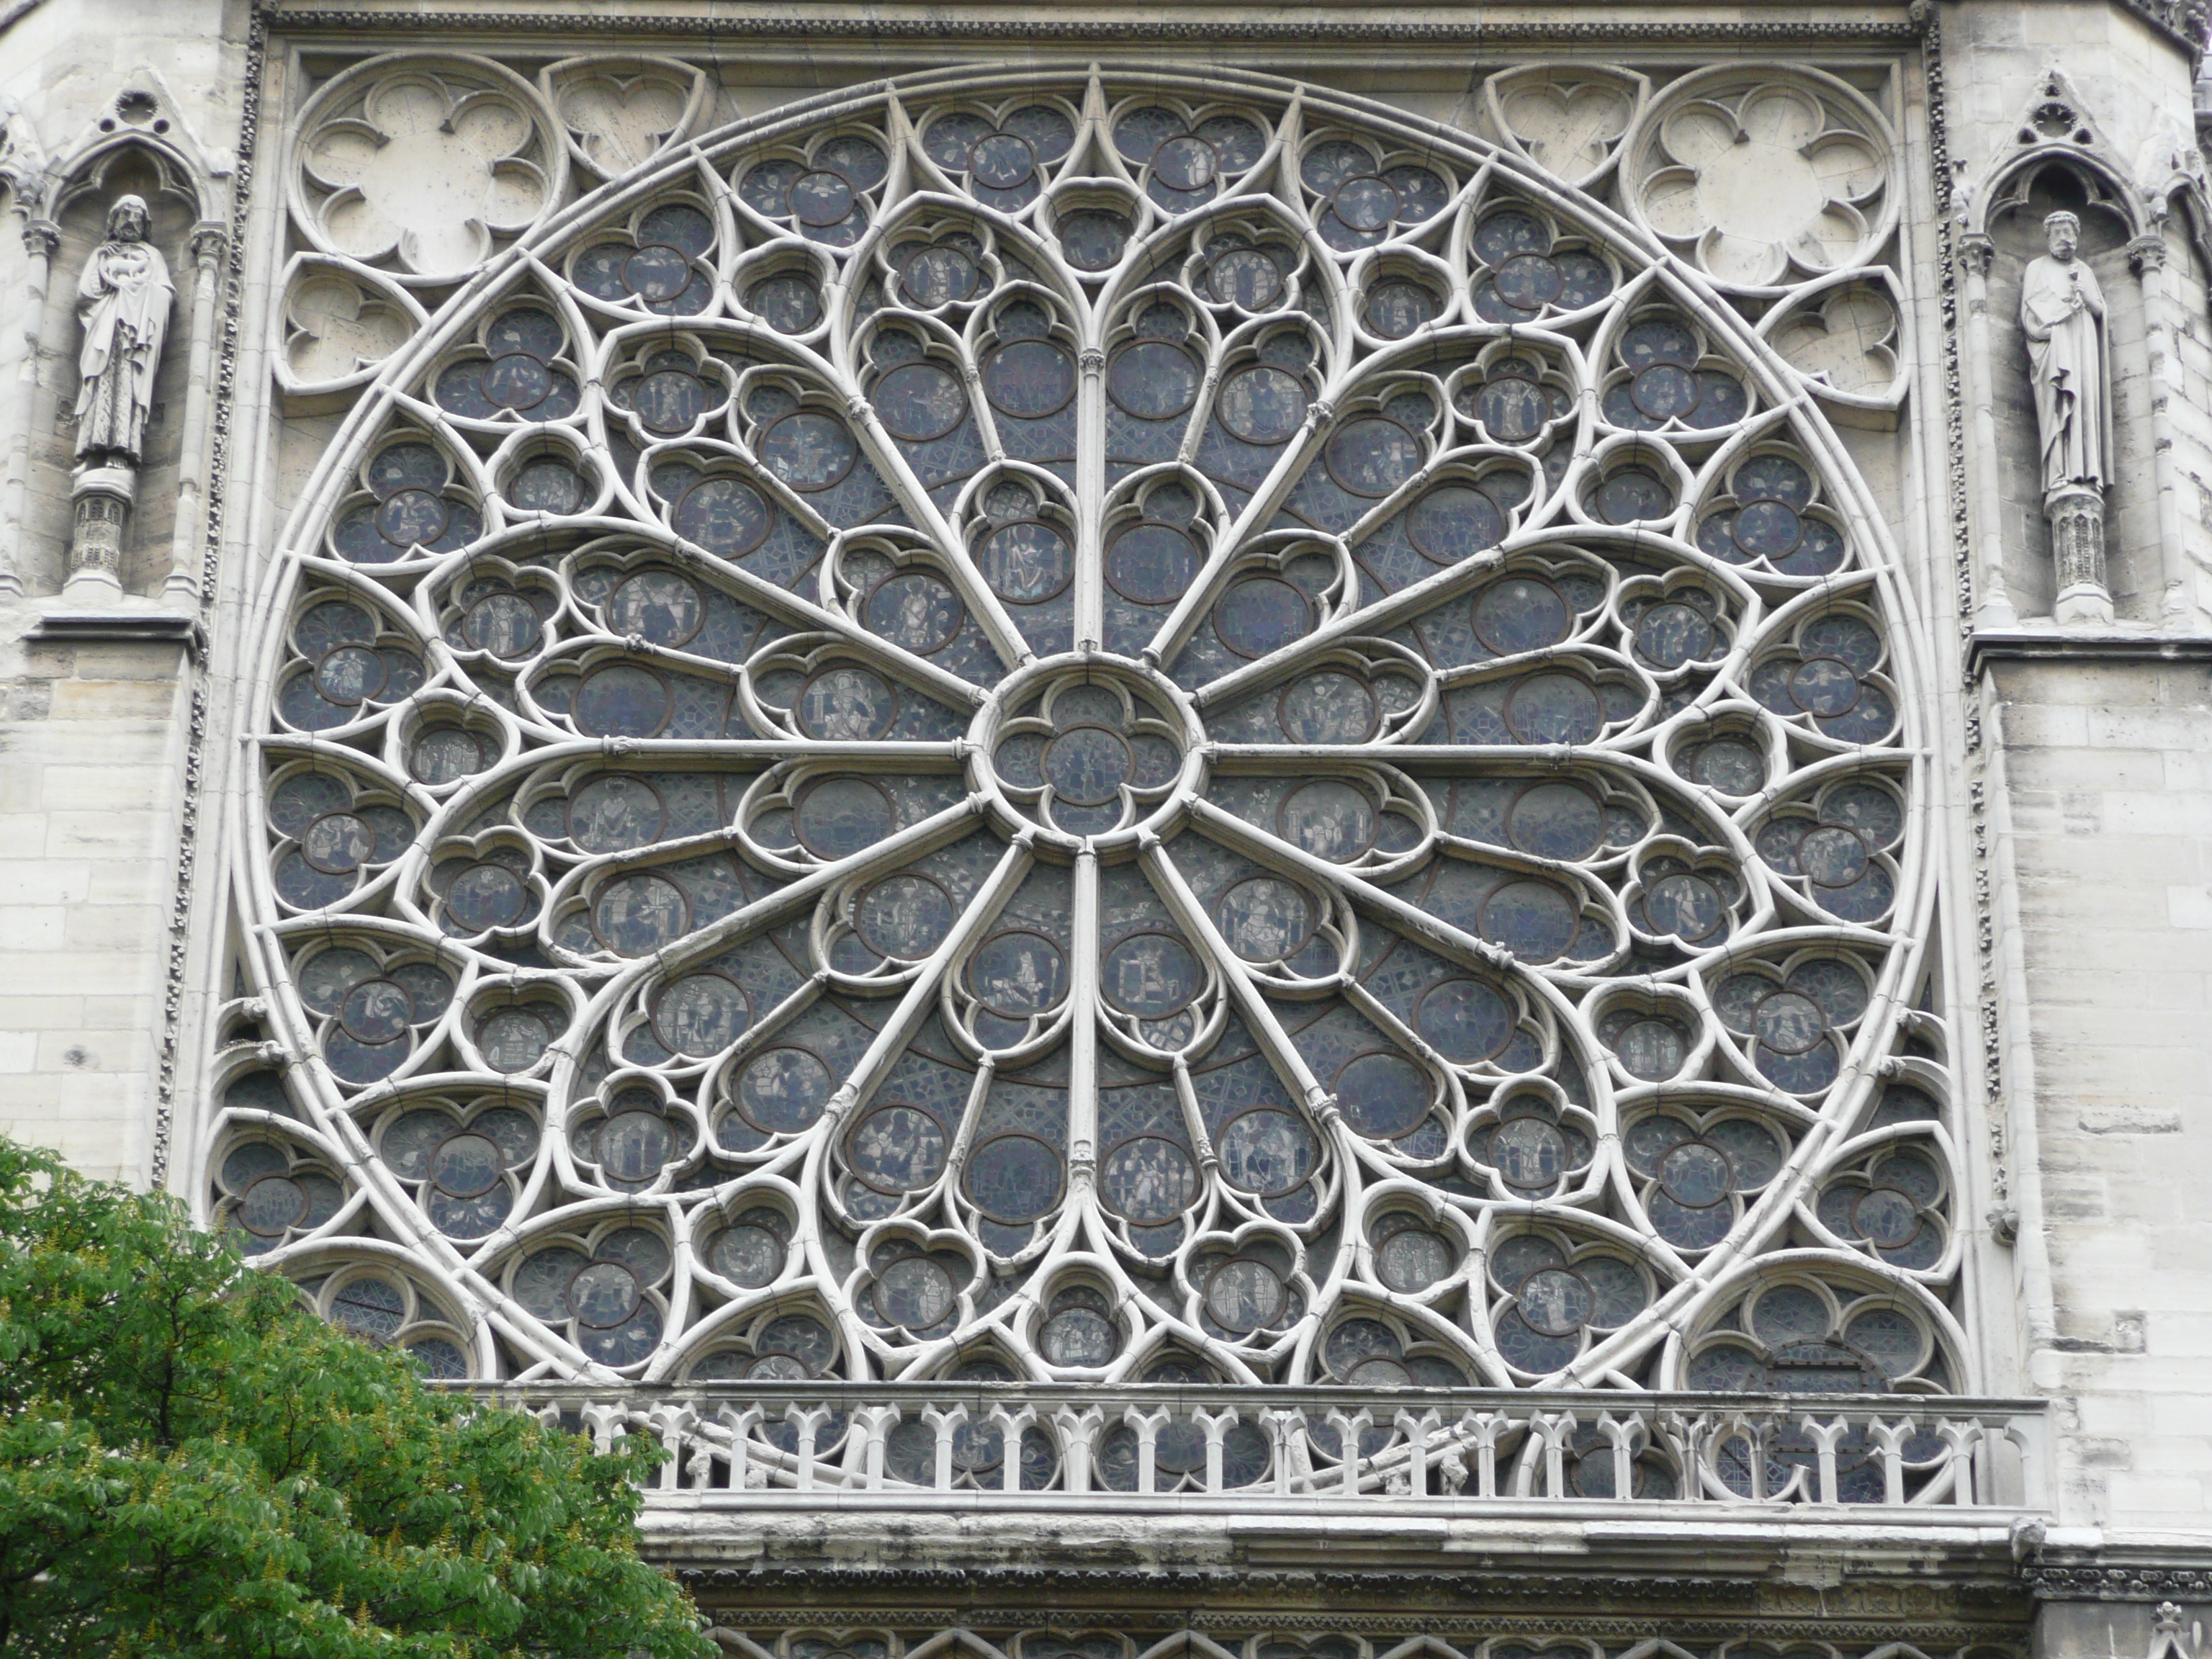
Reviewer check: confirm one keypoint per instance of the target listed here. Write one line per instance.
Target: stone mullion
(1197, 927)
(960, 570)
(1090, 500)
(914, 1006)
(1082, 1033)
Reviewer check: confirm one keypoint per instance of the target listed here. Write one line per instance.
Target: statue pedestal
(2082, 607)
(2077, 517)
(102, 496)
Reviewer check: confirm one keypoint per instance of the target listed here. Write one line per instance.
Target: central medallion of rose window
(1088, 745)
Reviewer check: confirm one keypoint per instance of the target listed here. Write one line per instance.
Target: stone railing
(922, 1445)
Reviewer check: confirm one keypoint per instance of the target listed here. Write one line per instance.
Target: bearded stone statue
(2061, 312)
(124, 297)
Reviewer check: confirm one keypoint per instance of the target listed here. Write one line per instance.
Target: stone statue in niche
(124, 299)
(123, 296)
(2061, 310)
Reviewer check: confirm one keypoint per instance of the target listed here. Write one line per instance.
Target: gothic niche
(124, 297)
(2061, 295)
(115, 319)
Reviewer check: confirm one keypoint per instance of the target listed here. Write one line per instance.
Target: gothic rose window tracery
(1121, 732)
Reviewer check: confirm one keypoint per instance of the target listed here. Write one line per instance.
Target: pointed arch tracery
(1108, 728)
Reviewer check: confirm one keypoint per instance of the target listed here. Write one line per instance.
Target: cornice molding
(123, 627)
(1239, 1594)
(1985, 647)
(2124, 1582)
(741, 26)
(2182, 23)
(1026, 1585)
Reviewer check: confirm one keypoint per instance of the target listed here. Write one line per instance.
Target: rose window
(1092, 734)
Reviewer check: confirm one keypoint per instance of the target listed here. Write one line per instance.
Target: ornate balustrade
(920, 1445)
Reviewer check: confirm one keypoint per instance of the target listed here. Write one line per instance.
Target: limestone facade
(1253, 829)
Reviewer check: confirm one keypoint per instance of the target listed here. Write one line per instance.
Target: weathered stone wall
(93, 734)
(2107, 788)
(2097, 815)
(89, 793)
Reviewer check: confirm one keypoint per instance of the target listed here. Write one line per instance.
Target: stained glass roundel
(877, 822)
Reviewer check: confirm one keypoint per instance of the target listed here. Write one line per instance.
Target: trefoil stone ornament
(2061, 310)
(124, 297)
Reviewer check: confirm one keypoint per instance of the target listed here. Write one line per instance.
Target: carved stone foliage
(1092, 729)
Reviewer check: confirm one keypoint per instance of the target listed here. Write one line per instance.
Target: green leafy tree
(192, 1464)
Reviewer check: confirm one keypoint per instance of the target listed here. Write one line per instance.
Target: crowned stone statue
(123, 298)
(2061, 310)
